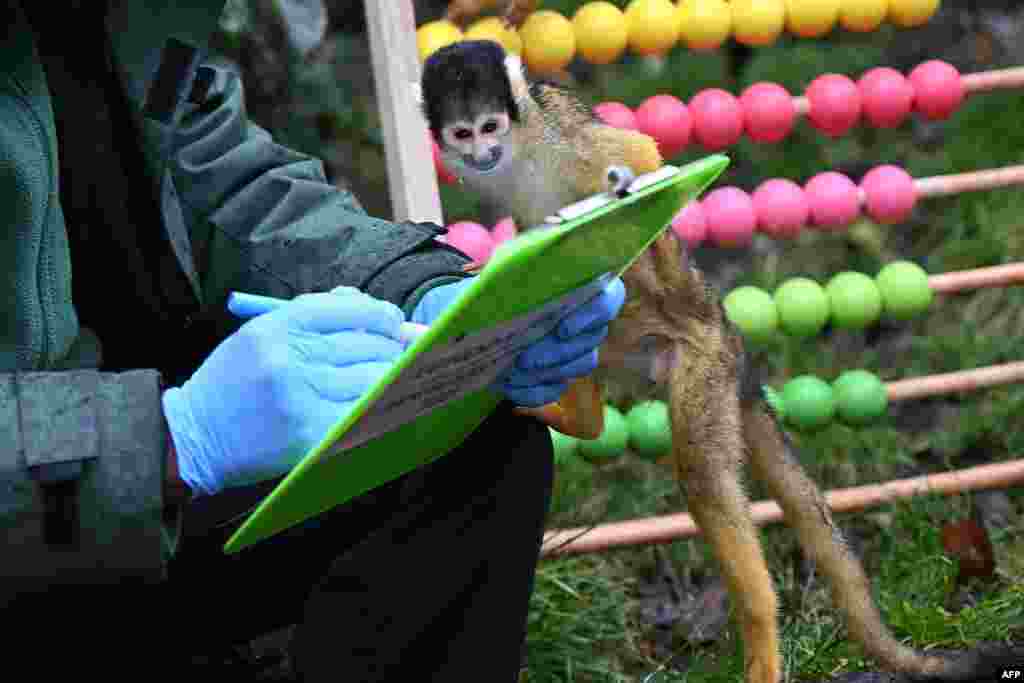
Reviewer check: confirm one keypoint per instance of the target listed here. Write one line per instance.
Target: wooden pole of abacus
(668, 528)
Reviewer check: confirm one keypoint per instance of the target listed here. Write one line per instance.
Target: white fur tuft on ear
(416, 88)
(516, 76)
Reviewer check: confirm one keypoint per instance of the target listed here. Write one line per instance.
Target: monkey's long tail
(774, 463)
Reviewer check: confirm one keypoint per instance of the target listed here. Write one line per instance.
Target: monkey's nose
(489, 160)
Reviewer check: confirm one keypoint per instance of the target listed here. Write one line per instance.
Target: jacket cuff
(81, 472)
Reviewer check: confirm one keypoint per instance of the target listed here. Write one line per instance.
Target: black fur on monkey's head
(464, 80)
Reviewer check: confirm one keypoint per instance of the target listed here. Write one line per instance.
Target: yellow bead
(863, 16)
(911, 13)
(434, 35)
(704, 24)
(601, 34)
(549, 43)
(811, 18)
(758, 23)
(493, 28)
(653, 26)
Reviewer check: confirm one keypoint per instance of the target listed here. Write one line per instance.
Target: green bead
(809, 403)
(752, 310)
(565, 446)
(613, 439)
(803, 307)
(861, 397)
(774, 401)
(905, 289)
(854, 299)
(650, 431)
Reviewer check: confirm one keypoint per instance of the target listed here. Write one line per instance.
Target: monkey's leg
(807, 513)
(708, 452)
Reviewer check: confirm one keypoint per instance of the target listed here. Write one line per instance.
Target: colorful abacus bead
(834, 200)
(781, 207)
(860, 397)
(666, 119)
(472, 239)
(834, 104)
(731, 217)
(887, 97)
(768, 112)
(691, 225)
(854, 300)
(889, 194)
(938, 89)
(717, 119)
(616, 114)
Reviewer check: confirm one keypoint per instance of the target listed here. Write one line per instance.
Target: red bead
(690, 224)
(444, 176)
(666, 119)
(938, 89)
(834, 200)
(768, 112)
(835, 104)
(781, 207)
(472, 239)
(504, 230)
(616, 114)
(717, 119)
(730, 215)
(887, 97)
(890, 194)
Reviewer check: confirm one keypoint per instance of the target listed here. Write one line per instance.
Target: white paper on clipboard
(460, 367)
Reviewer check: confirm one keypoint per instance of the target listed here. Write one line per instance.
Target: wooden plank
(412, 180)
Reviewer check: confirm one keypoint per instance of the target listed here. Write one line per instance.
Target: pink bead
(768, 112)
(717, 119)
(616, 114)
(472, 239)
(504, 230)
(690, 224)
(834, 200)
(887, 97)
(938, 90)
(835, 104)
(730, 215)
(781, 207)
(444, 176)
(666, 119)
(890, 194)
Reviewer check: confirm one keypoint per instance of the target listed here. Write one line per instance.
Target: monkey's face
(478, 146)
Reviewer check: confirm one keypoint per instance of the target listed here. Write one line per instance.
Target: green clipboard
(436, 393)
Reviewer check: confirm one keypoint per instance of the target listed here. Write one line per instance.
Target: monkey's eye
(463, 134)
(490, 126)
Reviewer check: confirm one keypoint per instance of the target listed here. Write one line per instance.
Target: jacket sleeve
(264, 218)
(81, 476)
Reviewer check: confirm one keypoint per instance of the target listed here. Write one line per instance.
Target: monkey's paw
(619, 179)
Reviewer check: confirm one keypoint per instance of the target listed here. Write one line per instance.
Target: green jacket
(83, 361)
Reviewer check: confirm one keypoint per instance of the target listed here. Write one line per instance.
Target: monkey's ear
(516, 76)
(416, 88)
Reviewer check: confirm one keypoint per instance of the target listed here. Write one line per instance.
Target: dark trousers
(424, 579)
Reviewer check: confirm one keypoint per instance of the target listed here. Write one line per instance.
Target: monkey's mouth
(485, 166)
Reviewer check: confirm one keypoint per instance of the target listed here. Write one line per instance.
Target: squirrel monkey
(532, 148)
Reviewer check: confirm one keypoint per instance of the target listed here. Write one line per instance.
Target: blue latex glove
(270, 391)
(542, 371)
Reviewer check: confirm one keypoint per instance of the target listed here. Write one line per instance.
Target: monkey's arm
(580, 411)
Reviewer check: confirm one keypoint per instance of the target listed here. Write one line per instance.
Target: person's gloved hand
(542, 371)
(270, 391)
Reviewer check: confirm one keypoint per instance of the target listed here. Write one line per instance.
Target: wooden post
(412, 180)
